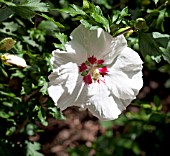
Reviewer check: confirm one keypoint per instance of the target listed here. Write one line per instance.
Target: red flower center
(93, 70)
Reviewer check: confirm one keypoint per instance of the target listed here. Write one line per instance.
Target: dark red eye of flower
(103, 71)
(82, 67)
(92, 59)
(100, 61)
(87, 79)
(93, 70)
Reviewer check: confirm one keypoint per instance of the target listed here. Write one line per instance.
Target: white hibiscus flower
(96, 72)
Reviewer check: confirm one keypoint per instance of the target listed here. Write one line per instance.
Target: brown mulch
(81, 128)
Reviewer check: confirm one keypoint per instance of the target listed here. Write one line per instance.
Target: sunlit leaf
(73, 10)
(28, 8)
(101, 19)
(52, 20)
(32, 149)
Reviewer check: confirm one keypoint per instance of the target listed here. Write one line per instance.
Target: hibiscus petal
(67, 74)
(122, 103)
(63, 57)
(98, 43)
(125, 75)
(55, 92)
(78, 52)
(77, 98)
(118, 44)
(128, 61)
(122, 86)
(101, 104)
(66, 86)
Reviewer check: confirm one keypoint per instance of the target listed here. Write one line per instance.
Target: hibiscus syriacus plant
(97, 72)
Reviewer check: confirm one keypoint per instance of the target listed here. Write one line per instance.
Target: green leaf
(35, 5)
(106, 124)
(48, 27)
(4, 115)
(166, 53)
(88, 25)
(157, 118)
(3, 72)
(42, 82)
(43, 90)
(32, 149)
(157, 101)
(98, 10)
(23, 11)
(124, 12)
(52, 20)
(18, 73)
(101, 19)
(5, 13)
(56, 113)
(7, 94)
(148, 45)
(9, 28)
(119, 16)
(30, 41)
(73, 10)
(10, 131)
(7, 3)
(62, 38)
(40, 115)
(86, 4)
(28, 8)
(167, 83)
(104, 3)
(155, 44)
(160, 20)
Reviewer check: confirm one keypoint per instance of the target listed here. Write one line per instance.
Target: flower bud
(141, 24)
(10, 59)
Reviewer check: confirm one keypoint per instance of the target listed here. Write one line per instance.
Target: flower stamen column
(93, 70)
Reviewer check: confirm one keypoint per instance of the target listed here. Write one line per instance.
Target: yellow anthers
(7, 44)
(95, 73)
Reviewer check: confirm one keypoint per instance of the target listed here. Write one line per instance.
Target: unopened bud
(141, 24)
(10, 59)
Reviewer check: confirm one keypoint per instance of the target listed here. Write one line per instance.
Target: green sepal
(84, 73)
(87, 63)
